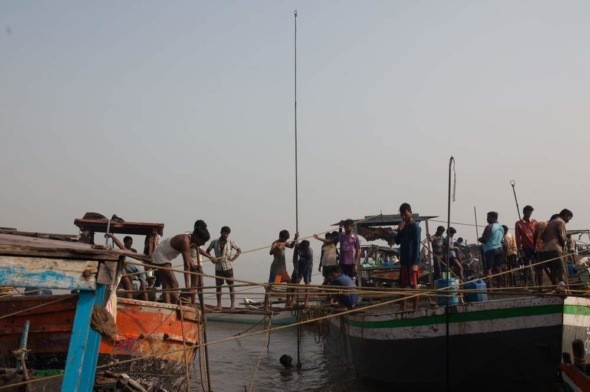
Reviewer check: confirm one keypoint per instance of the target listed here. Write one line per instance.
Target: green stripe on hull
(576, 310)
(462, 317)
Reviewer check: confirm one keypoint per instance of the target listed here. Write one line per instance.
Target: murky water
(238, 365)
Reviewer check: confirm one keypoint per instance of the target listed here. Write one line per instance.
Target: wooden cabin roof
(20, 245)
(138, 228)
(386, 220)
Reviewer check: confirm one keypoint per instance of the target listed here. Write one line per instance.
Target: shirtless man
(169, 249)
(278, 268)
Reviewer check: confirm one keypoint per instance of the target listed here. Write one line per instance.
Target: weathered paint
(83, 349)
(47, 273)
(146, 328)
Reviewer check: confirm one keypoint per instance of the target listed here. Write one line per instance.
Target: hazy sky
(173, 111)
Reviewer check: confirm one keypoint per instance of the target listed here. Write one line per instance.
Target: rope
(267, 340)
(102, 322)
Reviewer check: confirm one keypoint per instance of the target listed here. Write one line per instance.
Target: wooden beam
(48, 273)
(84, 343)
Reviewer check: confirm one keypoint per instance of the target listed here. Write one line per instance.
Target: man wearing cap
(525, 230)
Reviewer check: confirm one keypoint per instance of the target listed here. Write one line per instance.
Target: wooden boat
(252, 313)
(151, 334)
(500, 344)
(507, 342)
(155, 343)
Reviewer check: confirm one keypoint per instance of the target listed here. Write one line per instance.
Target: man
(350, 247)
(540, 256)
(554, 242)
(408, 239)
(278, 268)
(303, 266)
(510, 250)
(454, 262)
(328, 257)
(493, 254)
(438, 250)
(525, 230)
(127, 280)
(169, 249)
(337, 278)
(224, 271)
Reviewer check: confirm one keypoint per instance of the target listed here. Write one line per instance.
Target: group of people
(533, 242)
(187, 245)
(540, 244)
(338, 266)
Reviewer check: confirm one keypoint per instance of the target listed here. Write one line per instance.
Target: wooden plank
(138, 228)
(48, 273)
(84, 342)
(43, 247)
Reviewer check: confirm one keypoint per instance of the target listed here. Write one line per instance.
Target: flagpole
(296, 166)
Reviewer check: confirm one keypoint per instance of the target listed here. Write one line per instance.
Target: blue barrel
(479, 293)
(448, 294)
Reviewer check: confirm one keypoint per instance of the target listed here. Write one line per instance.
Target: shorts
(493, 258)
(408, 276)
(278, 278)
(220, 275)
(348, 269)
(305, 274)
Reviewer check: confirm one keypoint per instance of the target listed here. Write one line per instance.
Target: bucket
(480, 291)
(448, 294)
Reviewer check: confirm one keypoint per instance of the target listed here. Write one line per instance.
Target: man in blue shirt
(493, 254)
(337, 278)
(408, 238)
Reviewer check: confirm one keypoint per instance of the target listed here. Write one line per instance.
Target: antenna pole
(513, 183)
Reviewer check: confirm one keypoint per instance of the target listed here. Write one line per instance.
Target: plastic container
(479, 295)
(448, 296)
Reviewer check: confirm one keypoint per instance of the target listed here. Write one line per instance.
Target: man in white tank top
(169, 249)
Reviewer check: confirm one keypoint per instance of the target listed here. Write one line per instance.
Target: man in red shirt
(525, 230)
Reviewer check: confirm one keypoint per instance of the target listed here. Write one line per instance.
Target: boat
(512, 343)
(155, 343)
(252, 312)
(515, 342)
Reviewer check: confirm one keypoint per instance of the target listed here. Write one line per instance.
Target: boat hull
(149, 346)
(512, 344)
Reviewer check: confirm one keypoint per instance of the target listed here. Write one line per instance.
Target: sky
(176, 111)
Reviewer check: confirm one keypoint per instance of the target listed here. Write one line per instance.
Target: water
(233, 364)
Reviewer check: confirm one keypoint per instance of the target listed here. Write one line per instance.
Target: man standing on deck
(510, 250)
(170, 248)
(554, 242)
(408, 238)
(493, 254)
(438, 251)
(224, 271)
(454, 263)
(302, 268)
(278, 268)
(350, 247)
(525, 230)
(328, 257)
